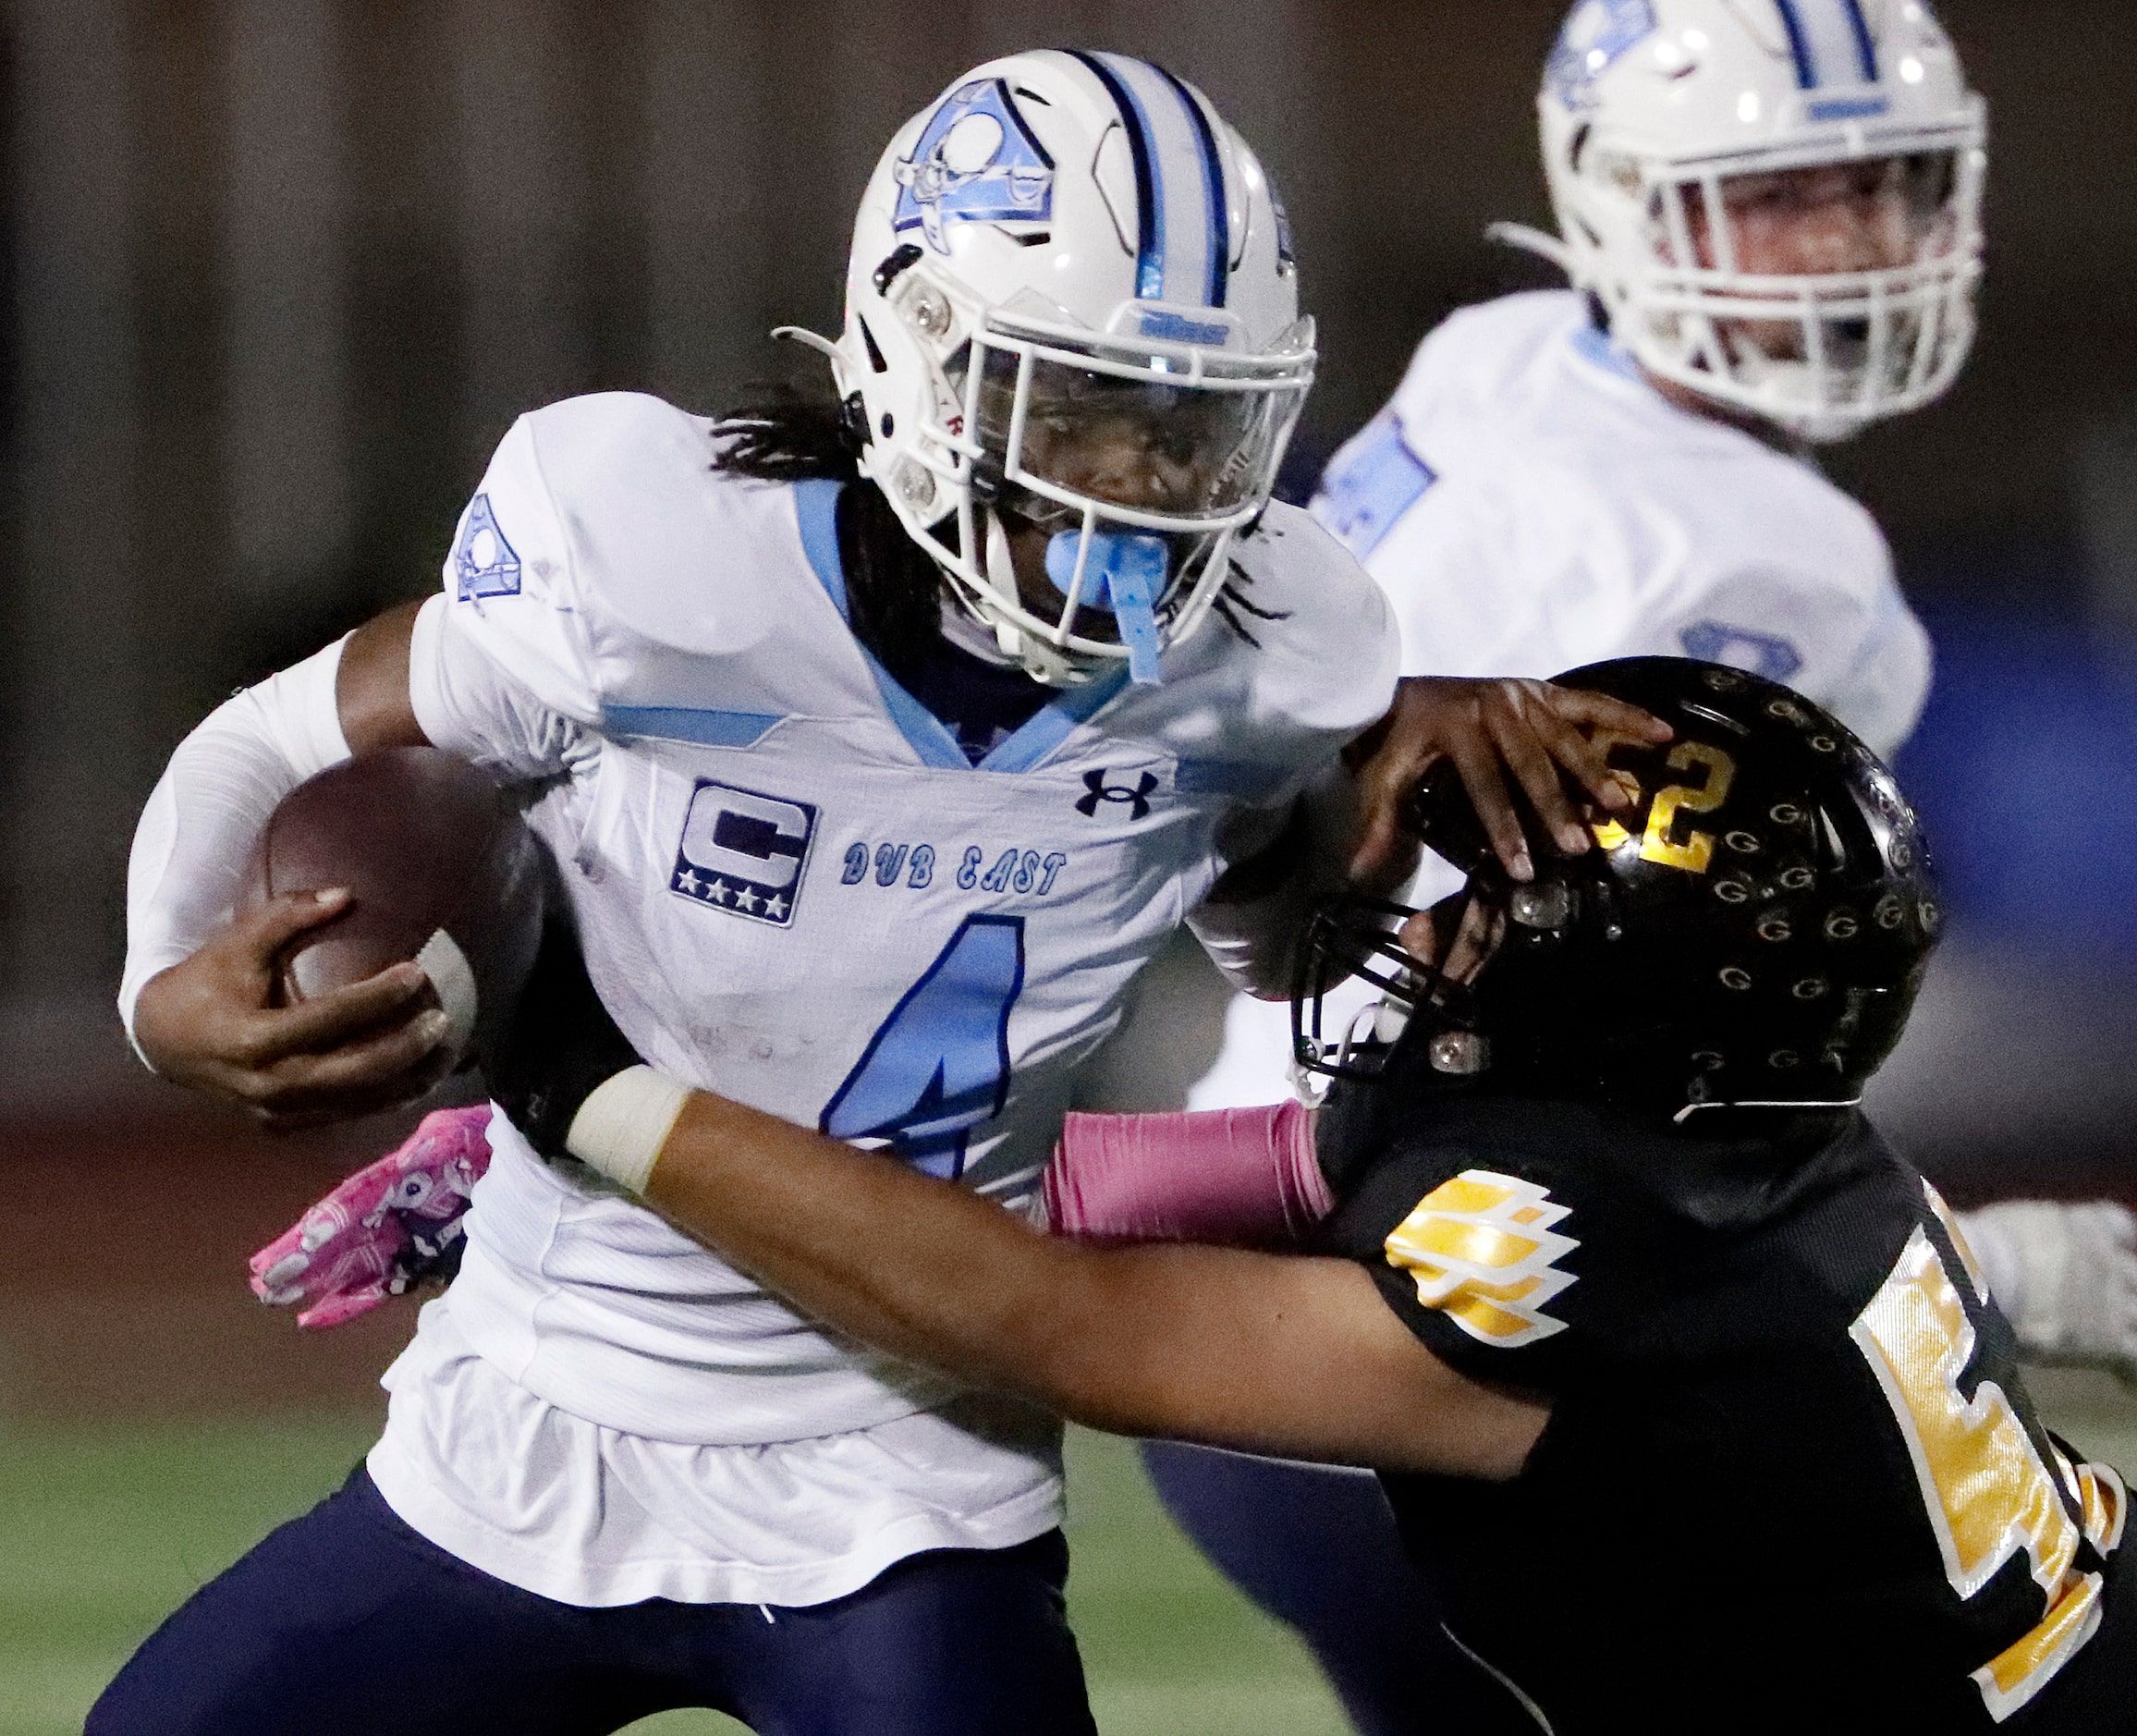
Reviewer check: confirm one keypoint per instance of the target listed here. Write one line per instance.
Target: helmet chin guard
(1356, 937)
(1653, 108)
(1071, 308)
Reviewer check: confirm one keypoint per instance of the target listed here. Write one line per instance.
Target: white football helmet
(1650, 107)
(1071, 300)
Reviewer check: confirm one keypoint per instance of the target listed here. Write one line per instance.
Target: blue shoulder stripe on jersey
(1372, 485)
(1216, 213)
(1799, 44)
(816, 512)
(816, 515)
(1594, 346)
(1049, 726)
(1149, 225)
(683, 723)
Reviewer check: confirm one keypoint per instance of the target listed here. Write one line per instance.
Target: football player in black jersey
(1692, 1385)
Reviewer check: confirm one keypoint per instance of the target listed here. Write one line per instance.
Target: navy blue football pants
(346, 1622)
(1318, 1549)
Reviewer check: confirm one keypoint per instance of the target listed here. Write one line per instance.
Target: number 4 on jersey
(939, 1065)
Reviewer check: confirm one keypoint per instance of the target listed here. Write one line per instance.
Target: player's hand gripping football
(1541, 733)
(212, 1023)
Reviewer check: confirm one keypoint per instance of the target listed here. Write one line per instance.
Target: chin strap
(1691, 1109)
(808, 340)
(1544, 247)
(1002, 577)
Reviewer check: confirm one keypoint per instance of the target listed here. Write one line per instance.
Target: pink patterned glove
(1242, 1178)
(389, 1227)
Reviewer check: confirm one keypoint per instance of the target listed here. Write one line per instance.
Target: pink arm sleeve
(1225, 1177)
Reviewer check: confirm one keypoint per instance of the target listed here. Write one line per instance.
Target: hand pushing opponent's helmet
(1654, 109)
(1752, 932)
(1072, 306)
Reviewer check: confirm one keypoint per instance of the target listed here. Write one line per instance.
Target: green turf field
(104, 1530)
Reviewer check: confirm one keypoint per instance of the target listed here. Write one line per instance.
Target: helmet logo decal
(1181, 224)
(1597, 37)
(975, 161)
(1177, 328)
(1484, 1253)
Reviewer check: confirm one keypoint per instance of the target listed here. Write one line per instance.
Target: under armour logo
(1138, 798)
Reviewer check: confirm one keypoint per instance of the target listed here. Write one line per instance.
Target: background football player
(878, 747)
(1748, 1446)
(1770, 210)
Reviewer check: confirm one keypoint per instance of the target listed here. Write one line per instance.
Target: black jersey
(1791, 1478)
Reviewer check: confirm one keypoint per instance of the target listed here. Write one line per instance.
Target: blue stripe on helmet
(1181, 231)
(1831, 41)
(1799, 44)
(1213, 193)
(1149, 227)
(1865, 44)
(1151, 272)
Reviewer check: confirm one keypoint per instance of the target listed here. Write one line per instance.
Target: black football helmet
(1752, 932)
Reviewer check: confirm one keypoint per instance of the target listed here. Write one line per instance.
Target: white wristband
(620, 1129)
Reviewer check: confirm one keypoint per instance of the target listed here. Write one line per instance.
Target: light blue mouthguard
(1125, 576)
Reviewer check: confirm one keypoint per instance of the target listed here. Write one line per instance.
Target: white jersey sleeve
(1440, 550)
(500, 671)
(1329, 649)
(472, 704)
(520, 665)
(1857, 649)
(511, 565)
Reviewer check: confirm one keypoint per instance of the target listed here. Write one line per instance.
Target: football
(440, 869)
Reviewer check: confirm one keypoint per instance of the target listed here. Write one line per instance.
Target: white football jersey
(793, 888)
(1530, 504)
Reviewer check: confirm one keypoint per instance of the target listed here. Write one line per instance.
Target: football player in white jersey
(1770, 210)
(878, 749)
